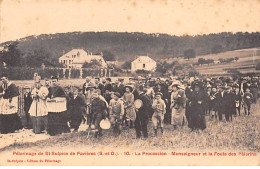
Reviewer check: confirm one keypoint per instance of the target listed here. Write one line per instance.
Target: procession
(121, 104)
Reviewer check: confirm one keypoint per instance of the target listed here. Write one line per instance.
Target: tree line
(32, 51)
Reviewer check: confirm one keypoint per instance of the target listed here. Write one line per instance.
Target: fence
(21, 112)
(24, 73)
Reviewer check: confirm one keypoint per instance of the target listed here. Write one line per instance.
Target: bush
(143, 72)
(92, 64)
(66, 74)
(205, 61)
(189, 53)
(24, 73)
(193, 73)
(47, 73)
(126, 65)
(75, 73)
(91, 72)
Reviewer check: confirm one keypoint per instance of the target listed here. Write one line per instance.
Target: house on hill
(77, 57)
(143, 63)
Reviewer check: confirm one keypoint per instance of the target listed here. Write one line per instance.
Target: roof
(81, 56)
(143, 59)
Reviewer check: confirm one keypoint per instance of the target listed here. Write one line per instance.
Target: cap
(117, 94)
(55, 77)
(158, 94)
(26, 87)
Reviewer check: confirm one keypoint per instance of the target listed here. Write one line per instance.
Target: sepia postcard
(129, 82)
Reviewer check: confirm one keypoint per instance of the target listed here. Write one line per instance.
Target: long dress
(9, 119)
(38, 110)
(197, 108)
(178, 108)
(129, 106)
(57, 116)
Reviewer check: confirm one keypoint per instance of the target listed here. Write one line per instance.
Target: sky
(21, 18)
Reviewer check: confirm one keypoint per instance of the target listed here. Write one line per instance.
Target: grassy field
(241, 135)
(246, 63)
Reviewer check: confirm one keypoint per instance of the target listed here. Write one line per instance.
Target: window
(63, 61)
(143, 65)
(69, 61)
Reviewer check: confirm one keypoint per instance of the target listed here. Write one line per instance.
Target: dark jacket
(77, 106)
(98, 106)
(120, 89)
(27, 102)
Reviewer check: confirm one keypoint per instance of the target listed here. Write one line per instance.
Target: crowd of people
(52, 109)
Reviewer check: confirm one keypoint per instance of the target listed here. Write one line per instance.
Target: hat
(120, 79)
(26, 87)
(132, 83)
(91, 85)
(55, 77)
(176, 83)
(129, 86)
(105, 124)
(117, 94)
(158, 94)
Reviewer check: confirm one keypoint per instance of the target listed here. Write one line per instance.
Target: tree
(162, 67)
(12, 56)
(221, 60)
(92, 64)
(108, 56)
(216, 49)
(37, 57)
(189, 53)
(201, 61)
(126, 65)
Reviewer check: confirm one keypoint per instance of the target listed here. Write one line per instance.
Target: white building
(143, 63)
(77, 57)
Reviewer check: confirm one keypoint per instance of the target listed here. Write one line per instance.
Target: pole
(36, 100)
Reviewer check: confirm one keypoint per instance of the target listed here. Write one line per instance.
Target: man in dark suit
(119, 87)
(27, 104)
(221, 101)
(108, 85)
(243, 85)
(142, 114)
(229, 104)
(77, 108)
(85, 85)
(101, 86)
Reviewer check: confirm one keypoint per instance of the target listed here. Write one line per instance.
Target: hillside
(246, 63)
(128, 45)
